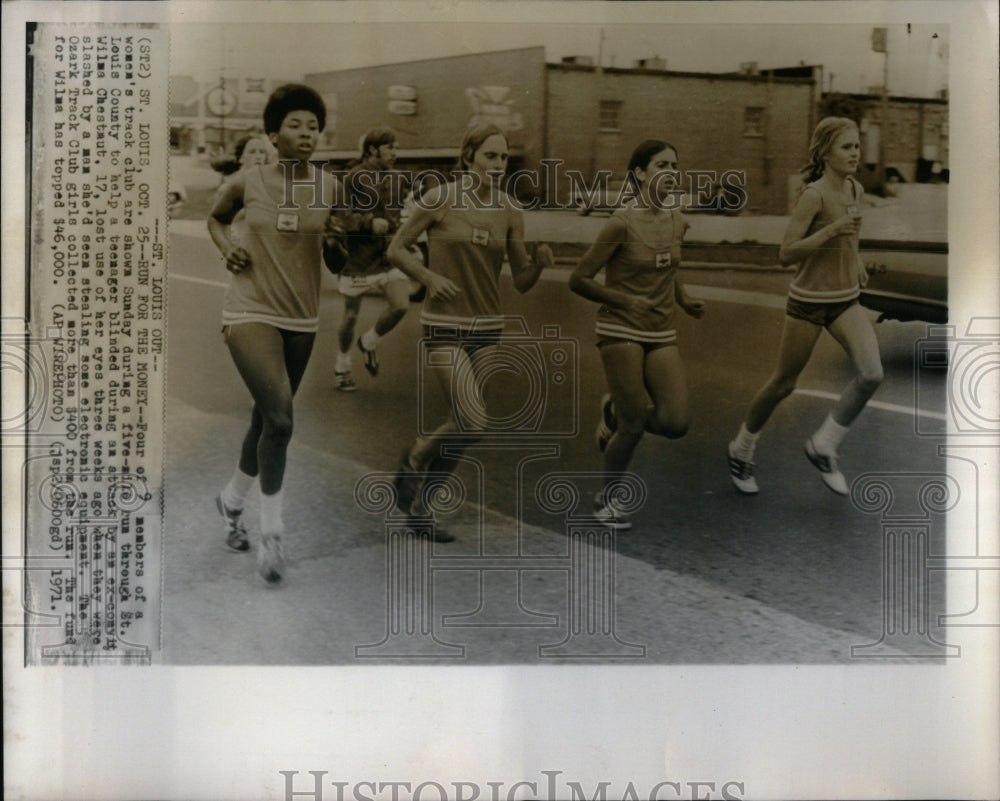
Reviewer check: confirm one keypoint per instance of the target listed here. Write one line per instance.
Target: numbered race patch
(287, 221)
(663, 260)
(480, 236)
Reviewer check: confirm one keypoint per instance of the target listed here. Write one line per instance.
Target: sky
(918, 59)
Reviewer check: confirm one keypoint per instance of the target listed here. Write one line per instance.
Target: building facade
(209, 117)
(752, 126)
(749, 125)
(431, 103)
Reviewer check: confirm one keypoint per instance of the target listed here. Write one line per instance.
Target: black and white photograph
(500, 401)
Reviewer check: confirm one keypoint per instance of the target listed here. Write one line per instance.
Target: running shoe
(742, 474)
(827, 466)
(236, 532)
(606, 425)
(371, 359)
(607, 515)
(421, 514)
(271, 558)
(407, 482)
(344, 382)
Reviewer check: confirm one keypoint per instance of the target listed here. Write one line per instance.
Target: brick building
(431, 103)
(755, 122)
(590, 118)
(757, 125)
(916, 145)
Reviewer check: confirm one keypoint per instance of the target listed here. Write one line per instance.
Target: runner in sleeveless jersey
(640, 250)
(471, 224)
(251, 150)
(375, 199)
(271, 308)
(822, 239)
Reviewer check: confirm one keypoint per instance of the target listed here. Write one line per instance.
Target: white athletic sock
(343, 363)
(236, 491)
(270, 513)
(369, 339)
(744, 445)
(829, 436)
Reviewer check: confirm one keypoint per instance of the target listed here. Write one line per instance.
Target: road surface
(794, 575)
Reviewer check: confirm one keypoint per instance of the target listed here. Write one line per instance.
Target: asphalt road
(794, 575)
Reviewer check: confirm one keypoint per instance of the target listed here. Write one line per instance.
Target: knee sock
(343, 363)
(270, 513)
(369, 339)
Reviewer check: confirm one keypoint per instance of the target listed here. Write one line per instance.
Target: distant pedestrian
(639, 249)
(822, 239)
(375, 200)
(250, 150)
(471, 224)
(271, 308)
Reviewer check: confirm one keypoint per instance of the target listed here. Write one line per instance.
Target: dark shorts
(437, 336)
(647, 347)
(821, 314)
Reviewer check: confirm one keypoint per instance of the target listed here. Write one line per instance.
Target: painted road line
(886, 407)
(193, 280)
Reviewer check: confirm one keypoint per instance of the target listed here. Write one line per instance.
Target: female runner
(271, 309)
(639, 249)
(822, 238)
(471, 224)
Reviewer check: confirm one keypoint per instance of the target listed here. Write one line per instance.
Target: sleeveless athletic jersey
(468, 246)
(281, 285)
(830, 273)
(644, 264)
(362, 186)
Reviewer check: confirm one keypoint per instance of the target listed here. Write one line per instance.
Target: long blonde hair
(826, 133)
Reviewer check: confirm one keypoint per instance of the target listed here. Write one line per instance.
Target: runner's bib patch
(480, 236)
(286, 221)
(663, 260)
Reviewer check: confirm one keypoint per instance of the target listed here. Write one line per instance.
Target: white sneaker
(271, 558)
(236, 531)
(423, 515)
(344, 382)
(606, 514)
(742, 474)
(827, 466)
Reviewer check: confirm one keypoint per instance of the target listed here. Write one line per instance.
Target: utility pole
(880, 44)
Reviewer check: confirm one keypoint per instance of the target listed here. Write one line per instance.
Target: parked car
(906, 280)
